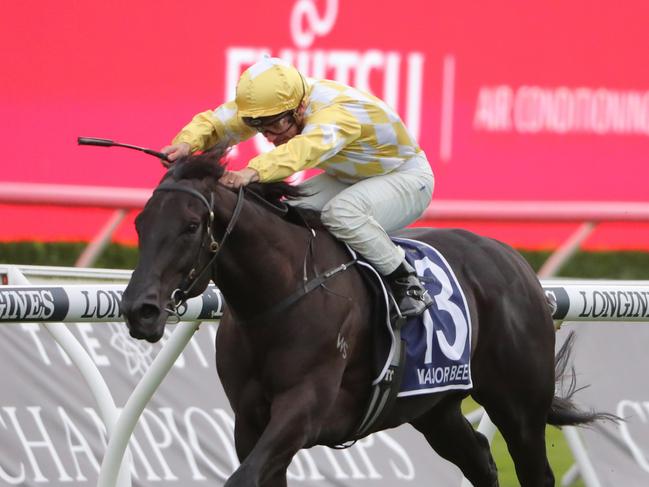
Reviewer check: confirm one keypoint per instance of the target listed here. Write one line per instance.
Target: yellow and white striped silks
(349, 134)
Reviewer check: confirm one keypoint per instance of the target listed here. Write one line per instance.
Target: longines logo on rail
(29, 304)
(614, 304)
(101, 304)
(370, 70)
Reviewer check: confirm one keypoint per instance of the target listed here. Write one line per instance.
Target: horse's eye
(192, 227)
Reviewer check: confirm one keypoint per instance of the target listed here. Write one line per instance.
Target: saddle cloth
(438, 343)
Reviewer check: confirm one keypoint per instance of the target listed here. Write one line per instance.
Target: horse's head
(175, 235)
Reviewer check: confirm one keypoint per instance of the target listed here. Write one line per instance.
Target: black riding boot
(412, 298)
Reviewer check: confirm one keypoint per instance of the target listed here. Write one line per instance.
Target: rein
(280, 210)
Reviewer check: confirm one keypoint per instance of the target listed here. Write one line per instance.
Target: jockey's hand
(242, 177)
(174, 152)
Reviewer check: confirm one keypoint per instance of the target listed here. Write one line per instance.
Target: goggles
(274, 124)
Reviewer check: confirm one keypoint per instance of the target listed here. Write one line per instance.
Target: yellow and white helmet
(269, 87)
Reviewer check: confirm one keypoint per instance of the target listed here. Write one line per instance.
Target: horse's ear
(219, 151)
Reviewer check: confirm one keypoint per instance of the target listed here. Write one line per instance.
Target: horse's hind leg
(525, 438)
(516, 389)
(453, 438)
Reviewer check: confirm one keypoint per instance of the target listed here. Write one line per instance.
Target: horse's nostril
(149, 311)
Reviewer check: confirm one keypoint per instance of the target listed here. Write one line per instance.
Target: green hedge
(65, 254)
(597, 265)
(611, 265)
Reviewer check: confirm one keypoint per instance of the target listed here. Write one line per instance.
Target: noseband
(179, 295)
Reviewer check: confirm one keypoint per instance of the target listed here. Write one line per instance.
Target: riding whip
(112, 143)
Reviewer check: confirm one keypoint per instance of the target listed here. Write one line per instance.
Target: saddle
(422, 354)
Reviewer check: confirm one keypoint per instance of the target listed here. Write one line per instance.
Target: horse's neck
(262, 259)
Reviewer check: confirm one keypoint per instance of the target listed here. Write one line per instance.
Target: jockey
(376, 179)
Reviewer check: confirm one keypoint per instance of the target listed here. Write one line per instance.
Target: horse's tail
(564, 412)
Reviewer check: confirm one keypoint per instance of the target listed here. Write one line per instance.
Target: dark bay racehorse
(288, 382)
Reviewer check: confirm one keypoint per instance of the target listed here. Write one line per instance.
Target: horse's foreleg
(291, 425)
(246, 436)
(453, 438)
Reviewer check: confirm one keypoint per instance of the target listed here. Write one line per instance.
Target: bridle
(179, 295)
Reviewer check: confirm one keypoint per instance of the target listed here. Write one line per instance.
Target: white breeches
(361, 214)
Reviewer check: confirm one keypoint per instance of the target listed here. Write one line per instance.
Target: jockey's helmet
(269, 87)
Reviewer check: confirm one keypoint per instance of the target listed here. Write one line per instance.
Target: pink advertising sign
(510, 100)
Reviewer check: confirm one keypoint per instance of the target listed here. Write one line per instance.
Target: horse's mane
(211, 164)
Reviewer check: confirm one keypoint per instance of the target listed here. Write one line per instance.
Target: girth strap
(299, 293)
(384, 393)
